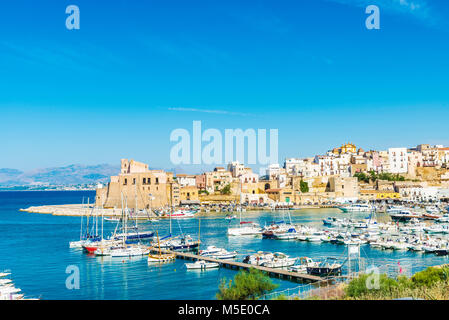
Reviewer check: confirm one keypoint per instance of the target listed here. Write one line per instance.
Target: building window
(157, 180)
(144, 180)
(125, 182)
(134, 180)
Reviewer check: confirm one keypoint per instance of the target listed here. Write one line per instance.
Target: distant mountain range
(69, 175)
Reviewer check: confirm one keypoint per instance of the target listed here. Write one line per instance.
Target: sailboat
(132, 237)
(85, 238)
(183, 242)
(245, 228)
(166, 257)
(201, 264)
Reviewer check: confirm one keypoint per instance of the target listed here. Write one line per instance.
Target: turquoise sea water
(35, 248)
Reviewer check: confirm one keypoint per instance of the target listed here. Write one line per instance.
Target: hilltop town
(344, 174)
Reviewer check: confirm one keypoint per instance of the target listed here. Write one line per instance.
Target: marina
(135, 277)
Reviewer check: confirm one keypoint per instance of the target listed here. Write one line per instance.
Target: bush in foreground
(431, 283)
(246, 285)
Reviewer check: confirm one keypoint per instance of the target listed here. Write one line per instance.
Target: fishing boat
(201, 265)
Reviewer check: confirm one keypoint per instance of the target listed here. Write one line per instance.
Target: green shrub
(430, 276)
(226, 189)
(247, 285)
(359, 286)
(304, 186)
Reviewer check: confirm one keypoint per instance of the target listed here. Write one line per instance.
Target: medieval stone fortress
(341, 175)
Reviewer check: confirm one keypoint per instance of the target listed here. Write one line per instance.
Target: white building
(421, 194)
(292, 165)
(249, 177)
(273, 171)
(185, 180)
(398, 160)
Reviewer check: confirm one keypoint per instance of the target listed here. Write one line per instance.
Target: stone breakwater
(73, 210)
(77, 210)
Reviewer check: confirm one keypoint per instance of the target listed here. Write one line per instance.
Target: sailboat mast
(171, 204)
(126, 220)
(135, 211)
(82, 213)
(96, 224)
(158, 243)
(199, 232)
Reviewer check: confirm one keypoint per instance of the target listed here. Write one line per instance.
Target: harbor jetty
(234, 265)
(72, 210)
(77, 210)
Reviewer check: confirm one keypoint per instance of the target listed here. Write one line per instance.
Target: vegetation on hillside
(304, 186)
(373, 176)
(226, 189)
(246, 285)
(429, 284)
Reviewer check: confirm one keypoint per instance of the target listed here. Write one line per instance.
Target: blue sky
(137, 70)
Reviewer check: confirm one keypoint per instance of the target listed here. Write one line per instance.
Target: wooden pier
(234, 265)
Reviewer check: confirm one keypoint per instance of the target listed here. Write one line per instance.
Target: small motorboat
(304, 262)
(112, 219)
(259, 258)
(329, 267)
(217, 253)
(280, 260)
(229, 217)
(201, 265)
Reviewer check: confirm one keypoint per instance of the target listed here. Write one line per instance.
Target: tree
(304, 186)
(226, 189)
(247, 285)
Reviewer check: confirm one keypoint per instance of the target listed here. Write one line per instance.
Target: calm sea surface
(35, 249)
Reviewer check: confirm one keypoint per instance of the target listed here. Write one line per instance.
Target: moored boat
(201, 265)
